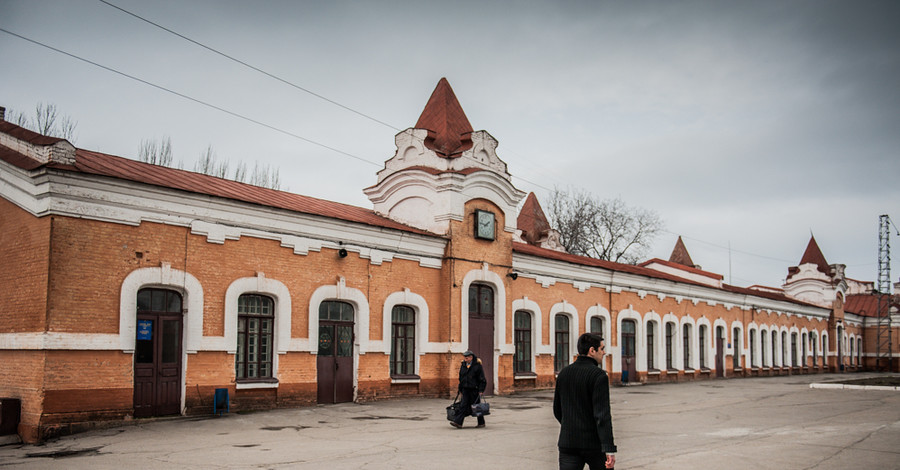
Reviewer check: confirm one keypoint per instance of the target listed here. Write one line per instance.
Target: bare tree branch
(603, 229)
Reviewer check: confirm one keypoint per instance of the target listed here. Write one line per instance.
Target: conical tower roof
(680, 254)
(813, 254)
(449, 131)
(532, 221)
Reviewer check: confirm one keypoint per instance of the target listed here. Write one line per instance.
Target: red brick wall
(24, 256)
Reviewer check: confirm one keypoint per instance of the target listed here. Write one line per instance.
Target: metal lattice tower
(883, 290)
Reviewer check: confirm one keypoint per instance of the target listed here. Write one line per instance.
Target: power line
(245, 64)
(195, 100)
(282, 80)
(727, 248)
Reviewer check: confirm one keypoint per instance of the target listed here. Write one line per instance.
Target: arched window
(255, 330)
(784, 346)
(403, 340)
(651, 337)
(670, 346)
(762, 348)
(736, 357)
(597, 325)
(813, 344)
(803, 346)
(522, 361)
(753, 349)
(562, 342)
(859, 348)
(481, 301)
(702, 345)
(686, 343)
(794, 350)
(774, 347)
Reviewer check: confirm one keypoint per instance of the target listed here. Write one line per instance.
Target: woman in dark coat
(471, 387)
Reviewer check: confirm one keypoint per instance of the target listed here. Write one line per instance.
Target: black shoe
(455, 424)
(480, 425)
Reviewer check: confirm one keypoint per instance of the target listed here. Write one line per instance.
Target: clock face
(484, 224)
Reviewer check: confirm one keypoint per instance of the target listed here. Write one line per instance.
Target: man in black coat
(471, 387)
(581, 405)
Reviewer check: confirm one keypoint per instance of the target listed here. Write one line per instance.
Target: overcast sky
(746, 125)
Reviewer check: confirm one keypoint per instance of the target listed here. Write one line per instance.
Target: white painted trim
(254, 285)
(60, 341)
(192, 305)
(360, 304)
(488, 277)
(640, 360)
(255, 385)
(165, 277)
(281, 299)
(420, 307)
(532, 307)
(569, 310)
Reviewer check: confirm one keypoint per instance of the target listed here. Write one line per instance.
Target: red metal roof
(117, 167)
(865, 304)
(684, 268)
(28, 136)
(449, 131)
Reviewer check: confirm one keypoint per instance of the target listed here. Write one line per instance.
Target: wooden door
(629, 368)
(481, 342)
(481, 330)
(157, 358)
(334, 363)
(720, 352)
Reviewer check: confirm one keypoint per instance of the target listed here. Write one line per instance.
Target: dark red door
(481, 330)
(157, 354)
(481, 342)
(720, 352)
(629, 368)
(334, 363)
(157, 368)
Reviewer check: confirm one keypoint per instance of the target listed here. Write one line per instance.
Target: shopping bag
(453, 409)
(482, 408)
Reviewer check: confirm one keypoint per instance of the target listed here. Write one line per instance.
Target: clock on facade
(484, 224)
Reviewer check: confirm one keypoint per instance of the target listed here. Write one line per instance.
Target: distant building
(134, 290)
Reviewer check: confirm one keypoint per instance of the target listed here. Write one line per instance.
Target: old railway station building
(135, 290)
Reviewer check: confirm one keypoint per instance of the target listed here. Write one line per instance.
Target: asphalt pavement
(754, 423)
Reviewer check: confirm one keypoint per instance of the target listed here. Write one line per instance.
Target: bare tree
(604, 229)
(46, 121)
(156, 152)
(209, 164)
(265, 176)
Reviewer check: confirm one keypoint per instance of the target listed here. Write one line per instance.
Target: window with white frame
(255, 332)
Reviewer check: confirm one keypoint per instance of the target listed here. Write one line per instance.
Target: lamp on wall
(342, 252)
(514, 275)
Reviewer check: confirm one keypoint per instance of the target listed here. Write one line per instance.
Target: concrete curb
(826, 386)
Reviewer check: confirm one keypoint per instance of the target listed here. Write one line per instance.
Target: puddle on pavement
(409, 418)
(281, 428)
(61, 454)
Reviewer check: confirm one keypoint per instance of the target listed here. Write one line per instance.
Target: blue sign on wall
(144, 330)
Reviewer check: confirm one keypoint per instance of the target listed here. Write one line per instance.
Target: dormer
(680, 264)
(438, 166)
(813, 280)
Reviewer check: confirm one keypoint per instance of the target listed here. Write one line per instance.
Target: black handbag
(482, 408)
(453, 409)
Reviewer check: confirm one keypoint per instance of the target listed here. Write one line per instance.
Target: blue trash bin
(220, 401)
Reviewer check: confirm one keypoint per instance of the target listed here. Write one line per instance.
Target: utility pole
(883, 291)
